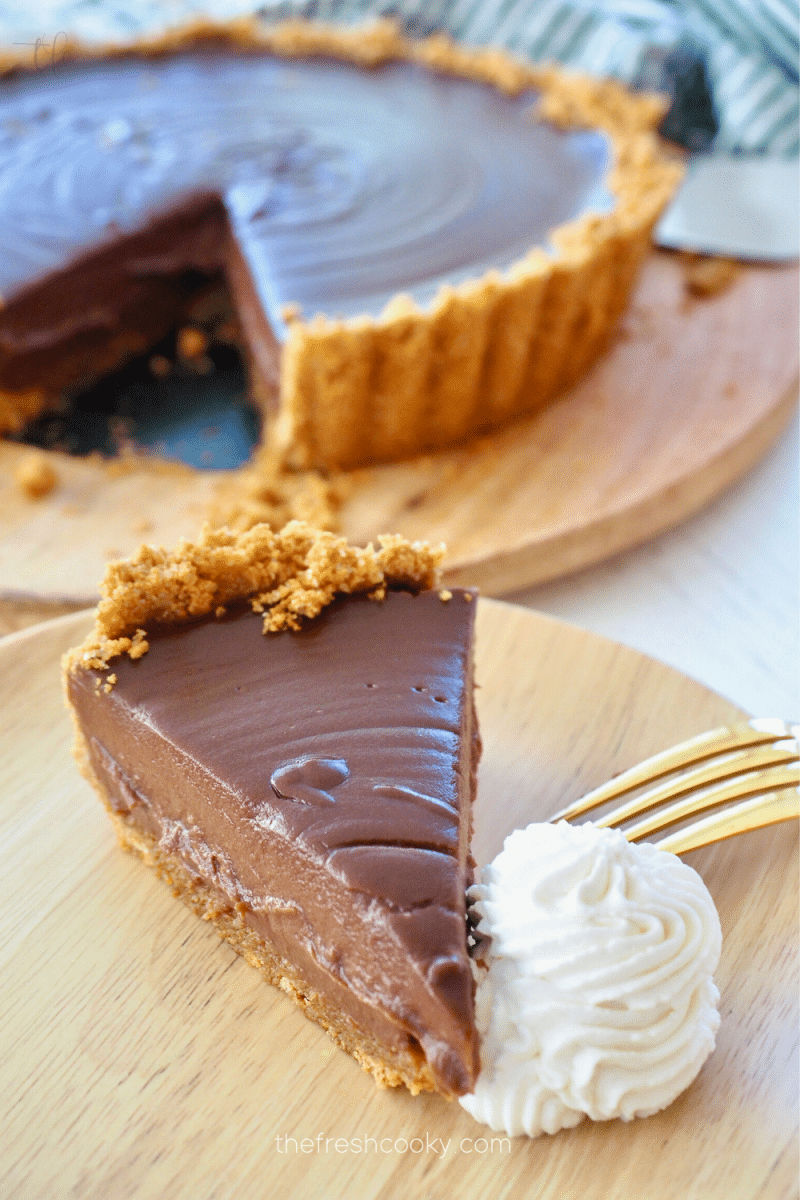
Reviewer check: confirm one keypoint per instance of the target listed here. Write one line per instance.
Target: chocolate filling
(321, 782)
(312, 182)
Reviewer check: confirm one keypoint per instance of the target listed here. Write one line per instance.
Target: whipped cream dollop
(595, 995)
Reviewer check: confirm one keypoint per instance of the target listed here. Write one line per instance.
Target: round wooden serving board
(689, 396)
(143, 1059)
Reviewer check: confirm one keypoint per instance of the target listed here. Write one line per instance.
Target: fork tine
(748, 785)
(751, 814)
(743, 764)
(726, 740)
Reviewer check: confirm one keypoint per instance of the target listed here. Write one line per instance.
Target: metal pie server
(741, 207)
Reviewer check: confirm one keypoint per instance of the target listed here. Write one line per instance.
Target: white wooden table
(717, 597)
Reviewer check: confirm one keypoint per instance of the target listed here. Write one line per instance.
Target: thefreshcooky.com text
(286, 1144)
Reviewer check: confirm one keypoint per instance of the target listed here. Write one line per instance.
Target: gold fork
(755, 763)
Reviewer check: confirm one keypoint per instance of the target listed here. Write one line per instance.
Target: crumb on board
(36, 475)
(268, 490)
(706, 275)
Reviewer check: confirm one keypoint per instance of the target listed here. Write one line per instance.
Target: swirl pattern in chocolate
(342, 185)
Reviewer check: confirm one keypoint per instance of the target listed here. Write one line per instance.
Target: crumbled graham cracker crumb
(708, 275)
(287, 576)
(108, 685)
(139, 644)
(36, 475)
(269, 491)
(191, 342)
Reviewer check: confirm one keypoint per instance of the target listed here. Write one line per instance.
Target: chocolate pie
(421, 241)
(283, 727)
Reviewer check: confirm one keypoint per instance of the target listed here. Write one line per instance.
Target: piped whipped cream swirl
(596, 995)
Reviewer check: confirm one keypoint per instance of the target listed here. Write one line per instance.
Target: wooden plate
(142, 1058)
(689, 397)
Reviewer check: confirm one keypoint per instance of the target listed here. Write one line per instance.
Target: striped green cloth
(731, 65)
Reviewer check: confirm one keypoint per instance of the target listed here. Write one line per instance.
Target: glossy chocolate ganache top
(342, 185)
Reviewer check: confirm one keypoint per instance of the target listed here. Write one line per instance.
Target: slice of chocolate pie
(283, 726)
(421, 241)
